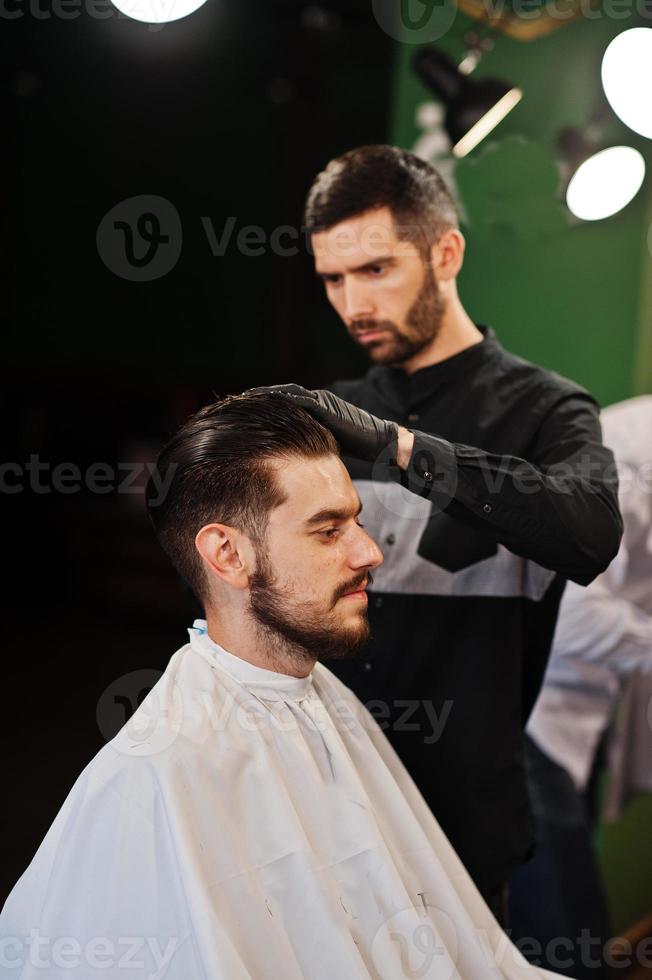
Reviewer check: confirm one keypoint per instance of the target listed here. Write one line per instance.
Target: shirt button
(487, 508)
(367, 666)
(427, 476)
(413, 417)
(378, 602)
(390, 539)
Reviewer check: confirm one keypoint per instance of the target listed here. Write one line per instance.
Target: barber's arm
(561, 511)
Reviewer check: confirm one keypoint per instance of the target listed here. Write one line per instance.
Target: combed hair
(377, 176)
(218, 464)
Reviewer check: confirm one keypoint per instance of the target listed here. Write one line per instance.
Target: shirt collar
(404, 391)
(266, 684)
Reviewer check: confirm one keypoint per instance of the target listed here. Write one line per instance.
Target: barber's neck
(457, 331)
(243, 637)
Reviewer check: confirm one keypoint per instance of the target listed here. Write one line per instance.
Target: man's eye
(375, 270)
(332, 280)
(332, 532)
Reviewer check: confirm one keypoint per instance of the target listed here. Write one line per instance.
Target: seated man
(251, 821)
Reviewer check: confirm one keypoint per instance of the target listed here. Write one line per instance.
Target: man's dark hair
(218, 468)
(371, 177)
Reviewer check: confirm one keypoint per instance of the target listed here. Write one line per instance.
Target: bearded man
(251, 821)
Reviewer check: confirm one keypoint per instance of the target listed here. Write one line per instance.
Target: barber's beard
(290, 631)
(423, 323)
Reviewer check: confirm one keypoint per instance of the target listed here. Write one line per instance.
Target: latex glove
(358, 433)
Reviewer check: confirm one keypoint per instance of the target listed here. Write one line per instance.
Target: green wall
(567, 294)
(574, 296)
(626, 855)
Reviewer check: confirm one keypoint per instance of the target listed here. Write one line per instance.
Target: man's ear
(447, 255)
(227, 553)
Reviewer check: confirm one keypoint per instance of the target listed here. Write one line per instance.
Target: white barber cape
(247, 825)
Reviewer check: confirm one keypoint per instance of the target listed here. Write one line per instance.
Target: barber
(484, 480)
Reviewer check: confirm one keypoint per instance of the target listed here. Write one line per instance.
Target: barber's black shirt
(509, 492)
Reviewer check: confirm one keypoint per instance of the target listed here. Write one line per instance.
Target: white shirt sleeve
(600, 627)
(609, 623)
(604, 631)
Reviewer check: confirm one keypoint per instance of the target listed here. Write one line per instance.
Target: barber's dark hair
(377, 176)
(218, 468)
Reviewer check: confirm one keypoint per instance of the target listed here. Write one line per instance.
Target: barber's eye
(375, 270)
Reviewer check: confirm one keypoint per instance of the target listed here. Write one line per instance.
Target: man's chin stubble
(394, 354)
(325, 647)
(303, 643)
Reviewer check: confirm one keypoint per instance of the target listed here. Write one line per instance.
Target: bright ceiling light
(605, 183)
(487, 122)
(157, 11)
(474, 107)
(627, 78)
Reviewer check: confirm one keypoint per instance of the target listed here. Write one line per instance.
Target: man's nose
(366, 553)
(358, 304)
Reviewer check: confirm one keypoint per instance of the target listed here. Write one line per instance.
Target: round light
(157, 11)
(605, 183)
(627, 78)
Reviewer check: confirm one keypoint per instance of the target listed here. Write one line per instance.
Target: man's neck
(457, 331)
(250, 643)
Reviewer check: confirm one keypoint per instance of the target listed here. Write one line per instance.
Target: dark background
(229, 112)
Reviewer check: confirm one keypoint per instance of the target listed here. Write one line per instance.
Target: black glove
(359, 433)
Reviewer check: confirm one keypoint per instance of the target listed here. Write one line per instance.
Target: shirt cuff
(432, 470)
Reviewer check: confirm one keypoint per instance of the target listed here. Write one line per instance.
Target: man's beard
(287, 631)
(424, 321)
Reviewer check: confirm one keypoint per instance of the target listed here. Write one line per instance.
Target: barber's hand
(359, 433)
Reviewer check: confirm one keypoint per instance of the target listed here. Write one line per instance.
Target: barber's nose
(357, 302)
